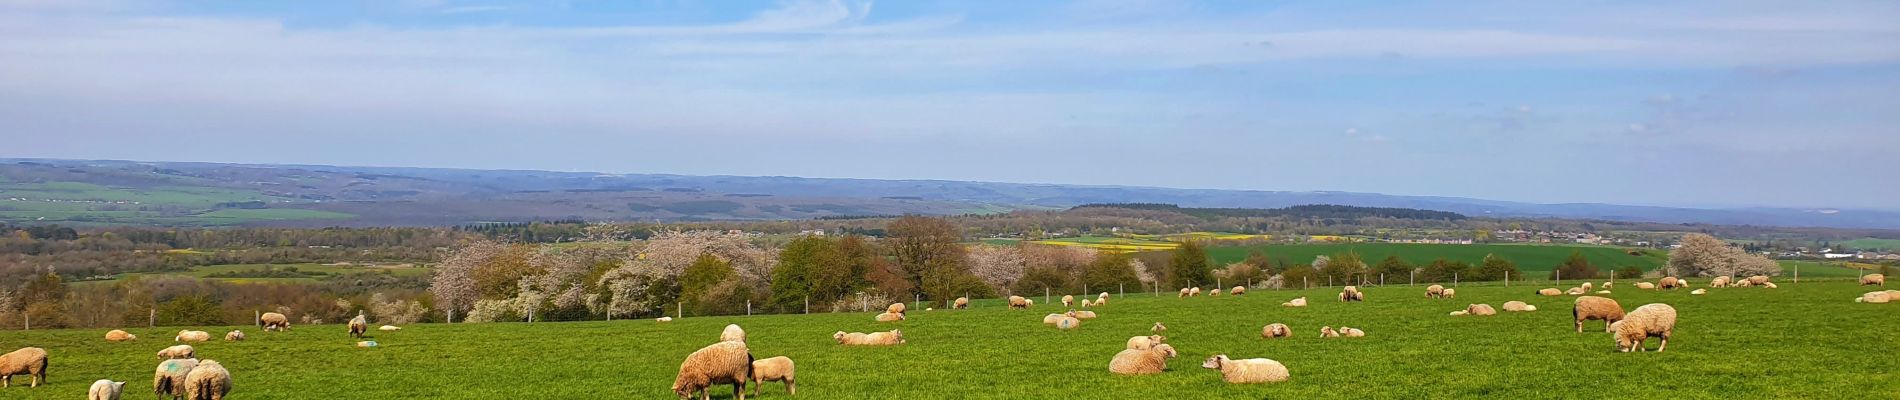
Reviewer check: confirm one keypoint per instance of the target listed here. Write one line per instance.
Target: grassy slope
(1528, 257)
(1806, 340)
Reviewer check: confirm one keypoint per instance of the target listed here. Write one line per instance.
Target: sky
(1702, 104)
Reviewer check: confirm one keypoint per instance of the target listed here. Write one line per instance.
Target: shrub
(1629, 273)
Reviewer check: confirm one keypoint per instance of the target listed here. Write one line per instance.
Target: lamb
(1276, 330)
(1194, 291)
(192, 336)
(1718, 282)
(1100, 302)
(715, 364)
(1519, 306)
(1586, 286)
(1328, 332)
(1758, 280)
(1575, 291)
(1145, 342)
(1214, 292)
(1682, 282)
(889, 317)
(358, 325)
(1645, 285)
(177, 352)
(1549, 292)
(105, 389)
(1018, 302)
(1158, 328)
(1451, 293)
(1068, 322)
(663, 319)
(732, 333)
(1873, 279)
(1669, 282)
(169, 378)
(1480, 309)
(1252, 370)
(894, 337)
(1651, 320)
(25, 361)
(1600, 308)
(1435, 291)
(274, 322)
(1351, 332)
(1184, 293)
(961, 303)
(895, 308)
(1351, 293)
(1768, 285)
(1142, 362)
(775, 369)
(389, 328)
(1238, 290)
(1068, 301)
(853, 338)
(1606, 285)
(1299, 302)
(1699, 292)
(234, 336)
(116, 335)
(207, 381)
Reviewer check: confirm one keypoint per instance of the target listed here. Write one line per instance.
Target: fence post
(808, 304)
(1121, 289)
(748, 308)
(257, 318)
(1560, 278)
(1797, 273)
(610, 314)
(1304, 285)
(679, 310)
(1381, 279)
(1329, 281)
(1045, 295)
(153, 319)
(1217, 284)
(1454, 279)
(1507, 278)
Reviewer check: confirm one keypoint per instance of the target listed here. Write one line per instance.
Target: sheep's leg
(791, 388)
(738, 389)
(756, 384)
(1665, 342)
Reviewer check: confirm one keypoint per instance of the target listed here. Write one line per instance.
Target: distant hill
(102, 192)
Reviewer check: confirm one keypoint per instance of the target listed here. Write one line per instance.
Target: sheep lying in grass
(1718, 282)
(1597, 308)
(176, 352)
(169, 377)
(1699, 292)
(116, 335)
(1875, 297)
(105, 389)
(1068, 301)
(716, 364)
(889, 317)
(1351, 332)
(1084, 314)
(1299, 302)
(1651, 320)
(1603, 292)
(1873, 279)
(1145, 342)
(1758, 279)
(1477, 309)
(1351, 293)
(29, 361)
(849, 339)
(1068, 322)
(389, 328)
(1018, 302)
(1645, 285)
(1238, 290)
(732, 333)
(895, 308)
(192, 336)
(1142, 362)
(274, 322)
(1549, 292)
(1768, 285)
(663, 319)
(961, 303)
(775, 369)
(892, 338)
(1328, 332)
(1575, 291)
(1276, 330)
(207, 381)
(1435, 291)
(1052, 318)
(1518, 306)
(1252, 370)
(234, 336)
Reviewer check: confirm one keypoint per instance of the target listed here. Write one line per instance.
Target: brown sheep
(961, 303)
(25, 361)
(732, 333)
(1238, 290)
(775, 369)
(1145, 342)
(176, 352)
(1758, 280)
(1669, 282)
(1598, 308)
(1253, 370)
(358, 325)
(116, 335)
(1351, 293)
(1018, 302)
(1549, 292)
(169, 377)
(1873, 279)
(895, 308)
(719, 363)
(1651, 320)
(207, 381)
(274, 322)
(1142, 362)
(1276, 330)
(1434, 291)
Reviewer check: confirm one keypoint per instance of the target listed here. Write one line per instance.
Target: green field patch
(1874, 244)
(1528, 257)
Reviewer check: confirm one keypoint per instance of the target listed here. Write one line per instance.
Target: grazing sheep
(1029, 302)
(1052, 318)
(853, 338)
(1328, 332)
(1142, 362)
(116, 335)
(192, 336)
(775, 369)
(663, 319)
(274, 322)
(1435, 291)
(207, 381)
(1586, 286)
(389, 328)
(1299, 302)
(1519, 306)
(889, 317)
(732, 333)
(1351, 293)
(1068, 301)
(25, 361)
(1645, 285)
(1252, 370)
(1451, 293)
(1018, 302)
(1184, 293)
(169, 378)
(895, 308)
(1741, 283)
(1067, 323)
(358, 325)
(1100, 302)
(1599, 308)
(1606, 285)
(716, 364)
(1758, 279)
(1276, 330)
(1718, 282)
(1669, 282)
(1549, 292)
(105, 389)
(894, 337)
(1873, 279)
(1699, 292)
(1682, 282)
(1480, 309)
(234, 336)
(1158, 328)
(1238, 290)
(961, 303)
(1194, 291)
(176, 352)
(1145, 342)
(1214, 292)
(1768, 285)
(1351, 332)
(1875, 297)
(1651, 320)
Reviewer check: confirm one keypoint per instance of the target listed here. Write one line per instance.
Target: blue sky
(1730, 103)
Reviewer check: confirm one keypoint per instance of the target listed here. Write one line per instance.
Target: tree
(1443, 271)
(1394, 267)
(1630, 272)
(1189, 266)
(1259, 260)
(928, 252)
(1343, 269)
(191, 309)
(1574, 267)
(998, 266)
(1704, 255)
(702, 275)
(800, 266)
(1298, 275)
(1108, 271)
(1495, 268)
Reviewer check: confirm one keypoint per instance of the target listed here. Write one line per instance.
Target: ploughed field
(1806, 340)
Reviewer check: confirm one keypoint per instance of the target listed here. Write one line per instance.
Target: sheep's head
(1070, 314)
(1624, 342)
(838, 336)
(1166, 350)
(1214, 362)
(1157, 338)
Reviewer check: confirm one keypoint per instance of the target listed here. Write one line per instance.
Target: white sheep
(1252, 370)
(1651, 320)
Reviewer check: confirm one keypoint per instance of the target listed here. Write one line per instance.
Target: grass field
(1529, 257)
(1805, 340)
(77, 203)
(1874, 244)
(209, 270)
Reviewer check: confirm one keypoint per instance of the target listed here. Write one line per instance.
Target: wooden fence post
(152, 321)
